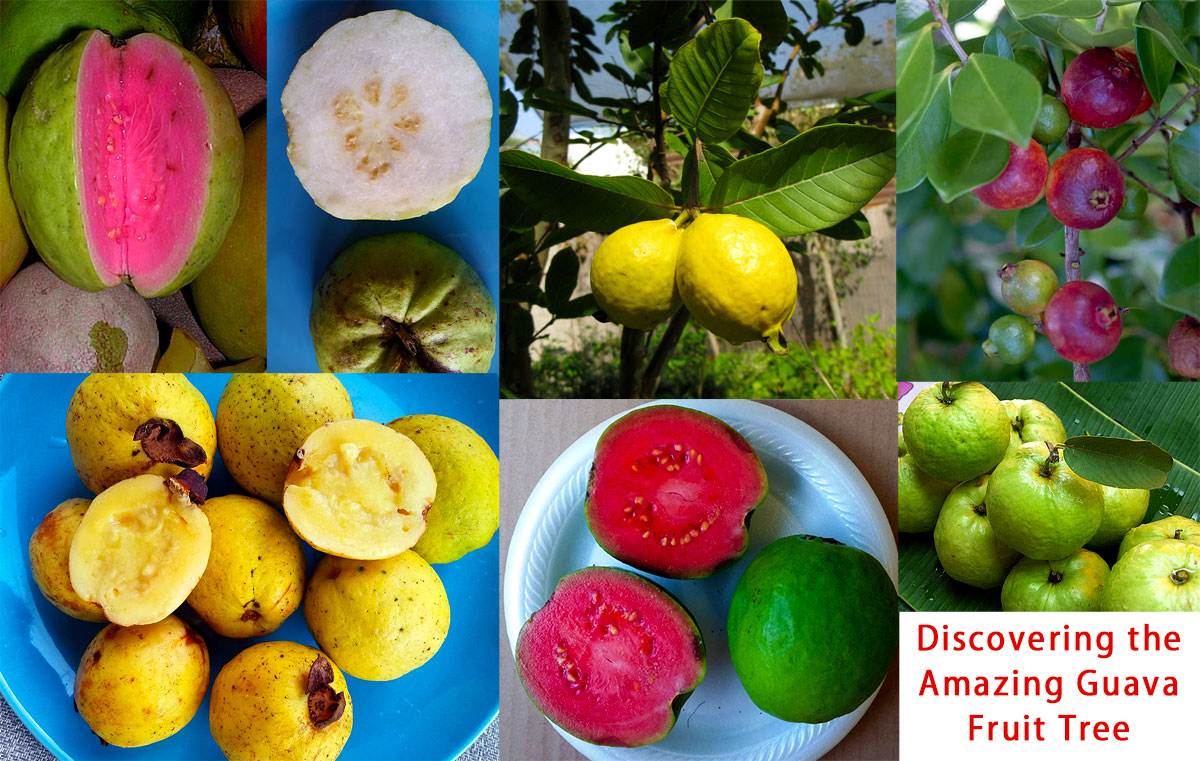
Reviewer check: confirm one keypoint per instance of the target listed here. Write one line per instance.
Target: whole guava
(966, 545)
(633, 273)
(1073, 583)
(402, 303)
(812, 628)
(1123, 509)
(1039, 507)
(956, 431)
(1032, 421)
(1159, 576)
(920, 499)
(1173, 528)
(50, 560)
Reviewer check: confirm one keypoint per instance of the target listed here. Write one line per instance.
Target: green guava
(965, 543)
(921, 497)
(1159, 577)
(956, 431)
(1039, 507)
(1172, 528)
(1123, 509)
(1032, 421)
(1074, 583)
(813, 627)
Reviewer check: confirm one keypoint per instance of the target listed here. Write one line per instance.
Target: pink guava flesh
(611, 657)
(671, 490)
(142, 138)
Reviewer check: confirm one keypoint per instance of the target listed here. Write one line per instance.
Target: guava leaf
(911, 14)
(716, 160)
(509, 110)
(1036, 225)
(811, 182)
(1074, 34)
(1180, 284)
(1184, 159)
(1156, 62)
(997, 44)
(580, 306)
(917, 141)
(1124, 463)
(769, 17)
(914, 73)
(545, 99)
(1152, 20)
(1070, 8)
(561, 278)
(587, 202)
(966, 161)
(854, 227)
(996, 96)
(714, 78)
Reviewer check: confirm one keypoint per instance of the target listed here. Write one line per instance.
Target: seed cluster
(375, 155)
(640, 511)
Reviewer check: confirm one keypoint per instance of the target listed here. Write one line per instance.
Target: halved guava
(357, 489)
(671, 492)
(141, 547)
(388, 117)
(611, 657)
(126, 163)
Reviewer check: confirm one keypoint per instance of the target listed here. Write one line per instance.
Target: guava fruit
(1039, 507)
(32, 31)
(371, 136)
(921, 497)
(966, 545)
(263, 418)
(956, 431)
(1173, 528)
(50, 560)
(141, 547)
(377, 619)
(358, 489)
(633, 273)
(671, 491)
(466, 511)
(402, 303)
(737, 279)
(126, 163)
(1161, 577)
(140, 684)
(813, 627)
(1123, 509)
(280, 700)
(15, 244)
(1031, 420)
(256, 570)
(231, 293)
(51, 327)
(1073, 583)
(248, 23)
(121, 425)
(611, 657)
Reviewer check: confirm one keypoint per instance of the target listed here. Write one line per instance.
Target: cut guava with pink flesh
(611, 657)
(671, 492)
(126, 163)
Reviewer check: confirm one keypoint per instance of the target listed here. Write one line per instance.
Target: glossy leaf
(769, 17)
(966, 161)
(917, 141)
(561, 278)
(1179, 287)
(1070, 8)
(997, 44)
(1075, 34)
(811, 182)
(996, 96)
(1156, 62)
(1113, 461)
(714, 78)
(1036, 225)
(1184, 159)
(914, 73)
(588, 202)
(716, 159)
(911, 14)
(854, 227)
(1151, 19)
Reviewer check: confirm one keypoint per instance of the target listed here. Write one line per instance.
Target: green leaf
(714, 78)
(716, 159)
(914, 73)
(911, 14)
(810, 182)
(581, 306)
(824, 11)
(588, 202)
(1150, 19)
(561, 278)
(522, 293)
(1180, 284)
(1070, 8)
(1156, 62)
(855, 31)
(1036, 225)
(519, 326)
(768, 16)
(997, 44)
(966, 161)
(509, 109)
(1123, 463)
(545, 99)
(1184, 159)
(854, 227)
(1075, 34)
(917, 141)
(996, 96)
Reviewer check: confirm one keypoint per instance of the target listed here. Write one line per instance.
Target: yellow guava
(50, 560)
(633, 273)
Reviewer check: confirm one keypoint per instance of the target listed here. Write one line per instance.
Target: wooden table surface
(534, 433)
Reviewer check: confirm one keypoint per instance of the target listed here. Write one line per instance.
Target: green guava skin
(43, 169)
(956, 431)
(1123, 509)
(965, 543)
(1173, 528)
(1042, 510)
(1032, 421)
(1158, 577)
(903, 448)
(1074, 583)
(813, 626)
(921, 497)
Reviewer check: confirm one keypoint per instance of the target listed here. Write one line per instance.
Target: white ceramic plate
(813, 489)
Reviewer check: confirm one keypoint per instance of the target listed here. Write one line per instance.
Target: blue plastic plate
(301, 238)
(431, 713)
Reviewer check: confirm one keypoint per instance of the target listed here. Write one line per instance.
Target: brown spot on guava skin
(163, 441)
(251, 615)
(333, 574)
(324, 705)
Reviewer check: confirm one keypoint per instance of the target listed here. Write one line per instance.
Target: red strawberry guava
(671, 492)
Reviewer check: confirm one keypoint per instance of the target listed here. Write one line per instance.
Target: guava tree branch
(947, 32)
(633, 354)
(662, 353)
(1100, 19)
(658, 149)
(1156, 126)
(1071, 253)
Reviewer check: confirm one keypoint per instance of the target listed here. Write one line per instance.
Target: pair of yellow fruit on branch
(731, 273)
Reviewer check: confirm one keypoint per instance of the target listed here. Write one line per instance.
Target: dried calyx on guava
(141, 547)
(671, 492)
(611, 657)
(325, 705)
(126, 163)
(163, 441)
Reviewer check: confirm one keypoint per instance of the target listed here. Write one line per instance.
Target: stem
(1100, 20)
(1156, 126)
(658, 151)
(662, 352)
(813, 361)
(947, 32)
(1050, 65)
(633, 351)
(1080, 372)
